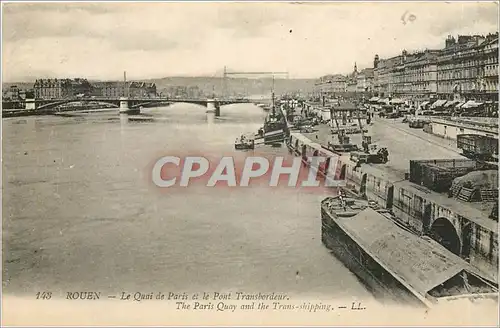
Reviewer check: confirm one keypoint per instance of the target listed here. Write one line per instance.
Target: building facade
(465, 69)
(61, 88)
(69, 88)
(329, 85)
(364, 81)
(120, 89)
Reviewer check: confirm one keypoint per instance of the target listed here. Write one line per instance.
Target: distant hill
(242, 86)
(208, 85)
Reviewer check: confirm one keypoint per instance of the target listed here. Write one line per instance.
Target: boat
(244, 142)
(395, 264)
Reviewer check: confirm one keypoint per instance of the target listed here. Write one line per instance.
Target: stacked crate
(438, 175)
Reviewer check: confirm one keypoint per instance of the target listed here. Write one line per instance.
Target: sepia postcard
(250, 163)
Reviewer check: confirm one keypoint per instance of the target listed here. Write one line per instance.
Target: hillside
(242, 86)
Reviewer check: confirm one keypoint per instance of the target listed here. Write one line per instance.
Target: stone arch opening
(362, 189)
(304, 155)
(390, 197)
(427, 217)
(443, 231)
(467, 240)
(315, 154)
(327, 165)
(343, 170)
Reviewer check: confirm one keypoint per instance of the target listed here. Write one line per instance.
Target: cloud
(161, 39)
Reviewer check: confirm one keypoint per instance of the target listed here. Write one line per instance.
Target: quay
(466, 225)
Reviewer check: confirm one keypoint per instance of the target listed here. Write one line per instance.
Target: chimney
(404, 53)
(450, 41)
(375, 61)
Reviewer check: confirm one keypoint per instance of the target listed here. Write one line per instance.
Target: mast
(272, 95)
(125, 90)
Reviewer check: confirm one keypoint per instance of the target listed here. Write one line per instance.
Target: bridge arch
(445, 233)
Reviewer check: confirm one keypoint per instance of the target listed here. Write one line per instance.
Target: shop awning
(438, 103)
(471, 104)
(460, 104)
(425, 103)
(384, 101)
(374, 99)
(451, 103)
(397, 101)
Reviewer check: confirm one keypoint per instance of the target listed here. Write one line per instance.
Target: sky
(154, 40)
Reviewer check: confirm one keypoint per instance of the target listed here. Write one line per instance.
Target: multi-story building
(141, 90)
(61, 88)
(13, 93)
(415, 78)
(384, 72)
(194, 92)
(329, 85)
(465, 69)
(120, 89)
(459, 68)
(365, 80)
(489, 68)
(109, 89)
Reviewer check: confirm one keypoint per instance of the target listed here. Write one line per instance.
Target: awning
(397, 101)
(374, 99)
(417, 264)
(425, 103)
(384, 101)
(471, 104)
(451, 103)
(438, 103)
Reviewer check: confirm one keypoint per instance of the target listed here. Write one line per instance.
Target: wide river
(80, 212)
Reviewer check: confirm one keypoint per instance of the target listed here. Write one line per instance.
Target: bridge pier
(30, 104)
(124, 107)
(217, 108)
(211, 111)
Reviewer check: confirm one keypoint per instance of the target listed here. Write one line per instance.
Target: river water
(80, 212)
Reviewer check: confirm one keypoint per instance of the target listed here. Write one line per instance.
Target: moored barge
(395, 264)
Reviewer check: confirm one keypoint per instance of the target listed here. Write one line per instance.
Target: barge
(395, 264)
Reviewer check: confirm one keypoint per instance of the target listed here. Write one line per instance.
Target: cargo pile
(481, 186)
(438, 175)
